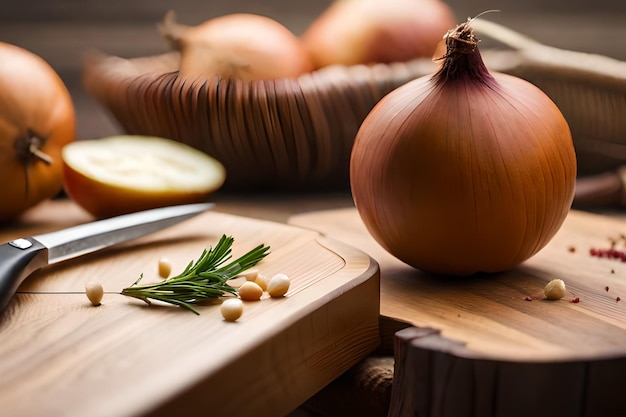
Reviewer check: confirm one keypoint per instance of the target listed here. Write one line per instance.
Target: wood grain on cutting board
(478, 348)
(61, 356)
(489, 314)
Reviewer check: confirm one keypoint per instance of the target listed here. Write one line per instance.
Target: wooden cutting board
(60, 356)
(479, 348)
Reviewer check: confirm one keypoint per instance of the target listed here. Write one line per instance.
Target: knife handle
(18, 259)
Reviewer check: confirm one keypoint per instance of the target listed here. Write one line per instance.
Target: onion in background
(352, 32)
(243, 46)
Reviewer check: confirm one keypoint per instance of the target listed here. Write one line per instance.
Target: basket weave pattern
(286, 134)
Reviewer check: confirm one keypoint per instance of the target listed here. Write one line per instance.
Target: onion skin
(352, 32)
(464, 172)
(241, 45)
(35, 108)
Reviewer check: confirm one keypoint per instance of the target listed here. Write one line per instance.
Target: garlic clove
(164, 268)
(250, 291)
(555, 289)
(231, 309)
(94, 292)
(278, 285)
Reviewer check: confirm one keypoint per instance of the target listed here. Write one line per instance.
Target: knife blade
(21, 257)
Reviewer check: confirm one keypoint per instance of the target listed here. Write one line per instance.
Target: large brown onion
(464, 171)
(36, 120)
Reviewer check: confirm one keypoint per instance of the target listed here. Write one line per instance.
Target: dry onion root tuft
(464, 171)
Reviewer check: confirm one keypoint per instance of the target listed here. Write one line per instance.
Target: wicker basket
(287, 134)
(297, 134)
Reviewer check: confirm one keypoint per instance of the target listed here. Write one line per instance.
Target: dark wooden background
(61, 31)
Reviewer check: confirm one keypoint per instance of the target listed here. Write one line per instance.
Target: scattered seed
(94, 292)
(555, 289)
(250, 291)
(610, 253)
(278, 285)
(231, 309)
(606, 288)
(250, 274)
(165, 267)
(262, 281)
(575, 300)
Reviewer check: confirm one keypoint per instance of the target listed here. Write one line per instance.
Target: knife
(19, 258)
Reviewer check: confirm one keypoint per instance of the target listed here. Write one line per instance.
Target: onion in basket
(244, 46)
(352, 32)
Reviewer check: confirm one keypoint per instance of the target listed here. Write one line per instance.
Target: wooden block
(479, 348)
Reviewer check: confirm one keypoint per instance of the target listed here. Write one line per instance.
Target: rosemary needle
(202, 280)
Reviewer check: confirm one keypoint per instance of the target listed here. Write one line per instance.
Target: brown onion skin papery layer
(465, 171)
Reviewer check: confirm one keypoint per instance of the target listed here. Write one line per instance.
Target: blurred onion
(243, 46)
(352, 32)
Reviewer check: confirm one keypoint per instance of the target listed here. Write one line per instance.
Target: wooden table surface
(411, 299)
(492, 345)
(123, 359)
(63, 31)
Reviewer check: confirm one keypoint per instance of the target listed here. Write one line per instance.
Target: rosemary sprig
(202, 280)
